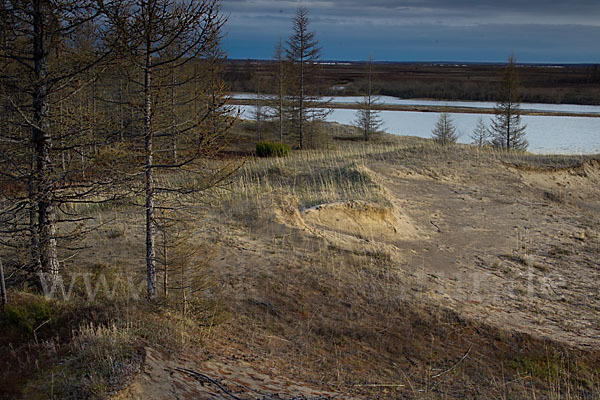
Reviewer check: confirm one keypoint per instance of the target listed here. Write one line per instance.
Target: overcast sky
(428, 30)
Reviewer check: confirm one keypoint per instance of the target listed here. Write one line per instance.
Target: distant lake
(546, 134)
(570, 108)
(556, 135)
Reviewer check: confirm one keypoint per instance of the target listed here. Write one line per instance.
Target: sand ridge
(361, 219)
(480, 239)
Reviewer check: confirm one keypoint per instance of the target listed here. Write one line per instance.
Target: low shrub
(30, 315)
(270, 149)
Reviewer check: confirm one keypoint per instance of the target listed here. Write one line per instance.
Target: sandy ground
(496, 254)
(165, 377)
(512, 247)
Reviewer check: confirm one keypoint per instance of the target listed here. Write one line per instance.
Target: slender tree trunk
(173, 119)
(42, 142)
(150, 249)
(303, 53)
(82, 162)
(509, 119)
(369, 100)
(166, 265)
(258, 111)
(2, 286)
(301, 116)
(61, 122)
(508, 112)
(121, 120)
(280, 102)
(280, 82)
(133, 110)
(94, 109)
(183, 294)
(196, 92)
(36, 262)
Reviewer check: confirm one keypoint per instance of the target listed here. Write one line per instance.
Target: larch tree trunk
(301, 113)
(42, 144)
(149, 182)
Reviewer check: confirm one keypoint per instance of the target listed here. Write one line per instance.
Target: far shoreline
(434, 109)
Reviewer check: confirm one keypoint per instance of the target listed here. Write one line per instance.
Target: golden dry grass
(339, 308)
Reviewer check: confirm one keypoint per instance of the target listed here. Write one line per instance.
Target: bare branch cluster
(100, 100)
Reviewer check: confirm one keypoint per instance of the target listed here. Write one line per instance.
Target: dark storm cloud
(587, 11)
(481, 30)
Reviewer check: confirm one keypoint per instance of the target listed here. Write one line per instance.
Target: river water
(545, 134)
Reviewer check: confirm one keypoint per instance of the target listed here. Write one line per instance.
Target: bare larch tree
(507, 130)
(42, 64)
(368, 119)
(280, 105)
(481, 134)
(304, 53)
(158, 37)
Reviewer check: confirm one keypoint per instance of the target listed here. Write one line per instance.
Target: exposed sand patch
(517, 246)
(165, 377)
(588, 172)
(575, 185)
(286, 210)
(361, 219)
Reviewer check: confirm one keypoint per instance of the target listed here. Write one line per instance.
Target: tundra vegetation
(569, 84)
(135, 221)
(444, 131)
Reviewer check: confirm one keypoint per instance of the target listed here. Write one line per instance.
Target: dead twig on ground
(438, 228)
(204, 378)
(455, 365)
(379, 385)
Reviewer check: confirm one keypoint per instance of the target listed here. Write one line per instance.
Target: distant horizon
(482, 31)
(437, 62)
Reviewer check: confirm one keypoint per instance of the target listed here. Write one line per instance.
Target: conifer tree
(444, 132)
(160, 38)
(480, 134)
(368, 119)
(280, 105)
(304, 54)
(48, 49)
(507, 130)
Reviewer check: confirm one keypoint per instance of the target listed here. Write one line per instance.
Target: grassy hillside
(391, 269)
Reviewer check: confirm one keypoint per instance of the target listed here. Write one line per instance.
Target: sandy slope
(493, 254)
(510, 247)
(165, 377)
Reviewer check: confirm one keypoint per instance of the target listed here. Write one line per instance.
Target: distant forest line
(560, 84)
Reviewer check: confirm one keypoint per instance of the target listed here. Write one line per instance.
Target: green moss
(555, 367)
(29, 316)
(538, 367)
